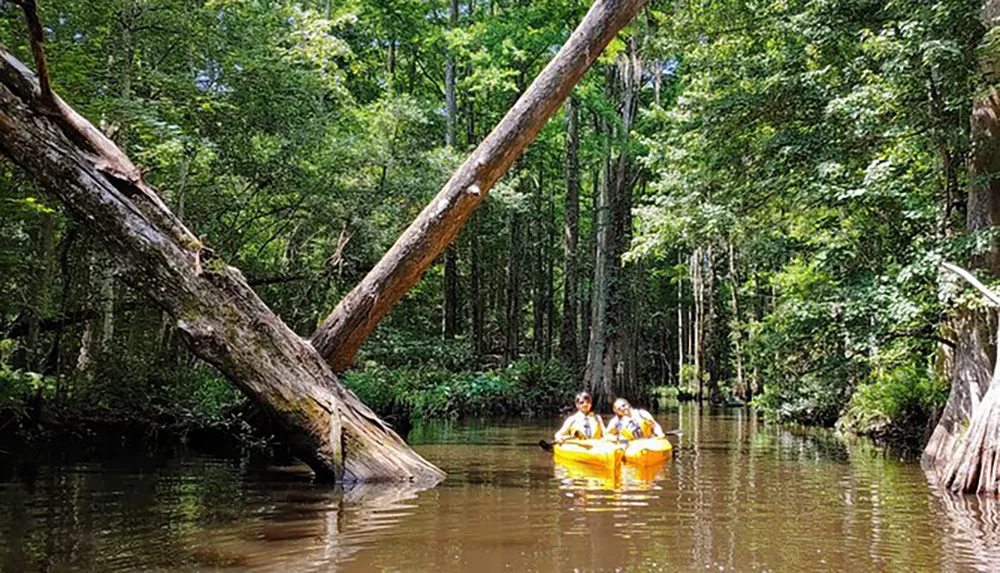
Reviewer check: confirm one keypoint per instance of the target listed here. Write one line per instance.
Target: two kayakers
(584, 424)
(628, 424)
(631, 423)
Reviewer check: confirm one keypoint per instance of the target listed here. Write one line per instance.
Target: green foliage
(666, 396)
(396, 349)
(524, 388)
(816, 140)
(18, 389)
(130, 389)
(824, 143)
(892, 400)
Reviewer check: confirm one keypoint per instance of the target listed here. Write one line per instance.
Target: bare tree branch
(30, 8)
(989, 294)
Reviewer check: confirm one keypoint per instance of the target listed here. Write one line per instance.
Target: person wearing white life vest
(631, 423)
(584, 424)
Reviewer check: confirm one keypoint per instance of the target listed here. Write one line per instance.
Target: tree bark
(571, 232)
(512, 324)
(974, 465)
(968, 365)
(222, 319)
(475, 290)
(698, 287)
(550, 279)
(610, 361)
(537, 265)
(680, 323)
(451, 256)
(709, 333)
(346, 328)
(594, 374)
(451, 297)
(737, 333)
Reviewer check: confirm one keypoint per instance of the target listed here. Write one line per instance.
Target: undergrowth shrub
(525, 387)
(895, 403)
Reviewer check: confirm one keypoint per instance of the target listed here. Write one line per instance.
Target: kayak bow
(648, 451)
(598, 453)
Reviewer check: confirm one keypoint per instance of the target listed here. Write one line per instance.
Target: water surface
(738, 495)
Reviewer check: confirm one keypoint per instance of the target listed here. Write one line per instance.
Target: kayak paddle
(547, 446)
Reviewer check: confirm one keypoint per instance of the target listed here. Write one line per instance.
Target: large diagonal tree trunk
(347, 327)
(221, 317)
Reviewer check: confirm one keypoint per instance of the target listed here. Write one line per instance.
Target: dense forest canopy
(741, 200)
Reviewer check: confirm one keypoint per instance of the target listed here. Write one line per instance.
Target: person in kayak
(584, 424)
(631, 423)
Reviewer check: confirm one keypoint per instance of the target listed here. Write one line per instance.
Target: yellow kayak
(648, 451)
(598, 453)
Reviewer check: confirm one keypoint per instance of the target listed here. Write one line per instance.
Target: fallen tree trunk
(350, 323)
(221, 317)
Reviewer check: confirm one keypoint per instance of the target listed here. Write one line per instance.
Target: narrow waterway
(738, 495)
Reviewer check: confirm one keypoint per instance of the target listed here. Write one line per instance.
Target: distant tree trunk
(627, 320)
(40, 297)
(55, 362)
(756, 384)
(594, 373)
(346, 328)
(610, 365)
(680, 322)
(657, 81)
(450, 322)
(587, 303)
(475, 289)
(736, 328)
(550, 303)
(451, 297)
(697, 287)
(538, 290)
(709, 327)
(512, 338)
(390, 60)
(571, 232)
(449, 82)
(98, 330)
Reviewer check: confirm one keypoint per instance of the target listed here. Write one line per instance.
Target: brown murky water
(738, 495)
